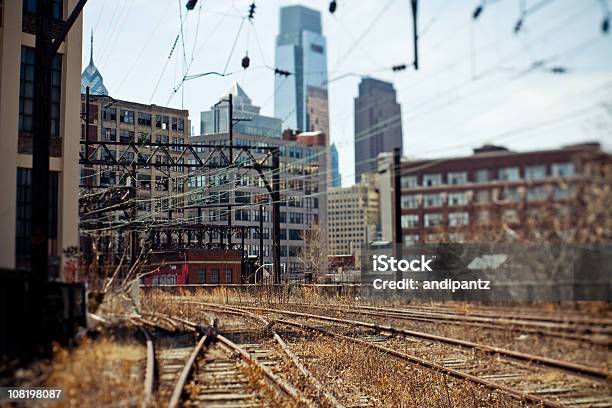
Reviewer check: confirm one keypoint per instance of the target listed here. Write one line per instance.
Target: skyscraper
(302, 50)
(336, 180)
(378, 123)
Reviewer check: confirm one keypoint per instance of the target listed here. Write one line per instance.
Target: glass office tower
(302, 50)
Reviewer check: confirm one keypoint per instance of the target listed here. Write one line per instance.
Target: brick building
(193, 266)
(493, 185)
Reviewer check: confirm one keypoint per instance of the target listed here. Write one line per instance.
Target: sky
(478, 81)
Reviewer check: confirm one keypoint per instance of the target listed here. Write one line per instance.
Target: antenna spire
(91, 49)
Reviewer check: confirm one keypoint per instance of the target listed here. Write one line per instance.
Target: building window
(564, 193)
(126, 136)
(144, 181)
(57, 7)
(432, 219)
(201, 275)
(127, 116)
(432, 200)
(26, 92)
(295, 234)
(410, 220)
(457, 198)
(482, 176)
(430, 180)
(509, 174)
(24, 210)
(535, 172)
(178, 124)
(242, 197)
(109, 134)
(458, 219)
(562, 169)
(409, 182)
(511, 194)
(228, 276)
(316, 48)
(411, 239)
(107, 178)
(109, 114)
(537, 193)
(457, 177)
(144, 119)
(161, 122)
(410, 201)
(241, 215)
(214, 276)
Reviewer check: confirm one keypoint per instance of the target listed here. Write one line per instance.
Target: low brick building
(195, 266)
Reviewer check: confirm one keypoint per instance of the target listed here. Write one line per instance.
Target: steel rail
(149, 378)
(284, 346)
(287, 388)
(572, 367)
(466, 321)
(175, 399)
(204, 341)
(450, 371)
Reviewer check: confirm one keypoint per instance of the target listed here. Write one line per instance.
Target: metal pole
(276, 214)
(397, 202)
(231, 158)
(414, 4)
(261, 240)
(40, 145)
(87, 122)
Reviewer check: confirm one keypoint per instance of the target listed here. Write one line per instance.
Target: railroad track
(218, 372)
(509, 313)
(596, 334)
(523, 376)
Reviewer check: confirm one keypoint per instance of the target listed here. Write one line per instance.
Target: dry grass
(355, 372)
(103, 373)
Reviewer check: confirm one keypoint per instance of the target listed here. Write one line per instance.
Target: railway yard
(222, 348)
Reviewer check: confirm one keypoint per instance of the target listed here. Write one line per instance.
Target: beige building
(17, 42)
(353, 217)
(158, 188)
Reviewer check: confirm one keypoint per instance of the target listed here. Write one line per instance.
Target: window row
(110, 113)
(535, 172)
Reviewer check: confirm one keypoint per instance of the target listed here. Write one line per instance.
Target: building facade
(301, 49)
(353, 217)
(17, 51)
(378, 124)
(444, 200)
(160, 190)
(240, 194)
(216, 119)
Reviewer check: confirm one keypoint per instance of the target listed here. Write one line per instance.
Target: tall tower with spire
(91, 77)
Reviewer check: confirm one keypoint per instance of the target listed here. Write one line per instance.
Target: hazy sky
(478, 82)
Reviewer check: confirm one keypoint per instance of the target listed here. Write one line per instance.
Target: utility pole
(276, 214)
(45, 50)
(415, 35)
(397, 206)
(40, 143)
(231, 159)
(261, 240)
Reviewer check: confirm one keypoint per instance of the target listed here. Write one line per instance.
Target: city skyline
(474, 86)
